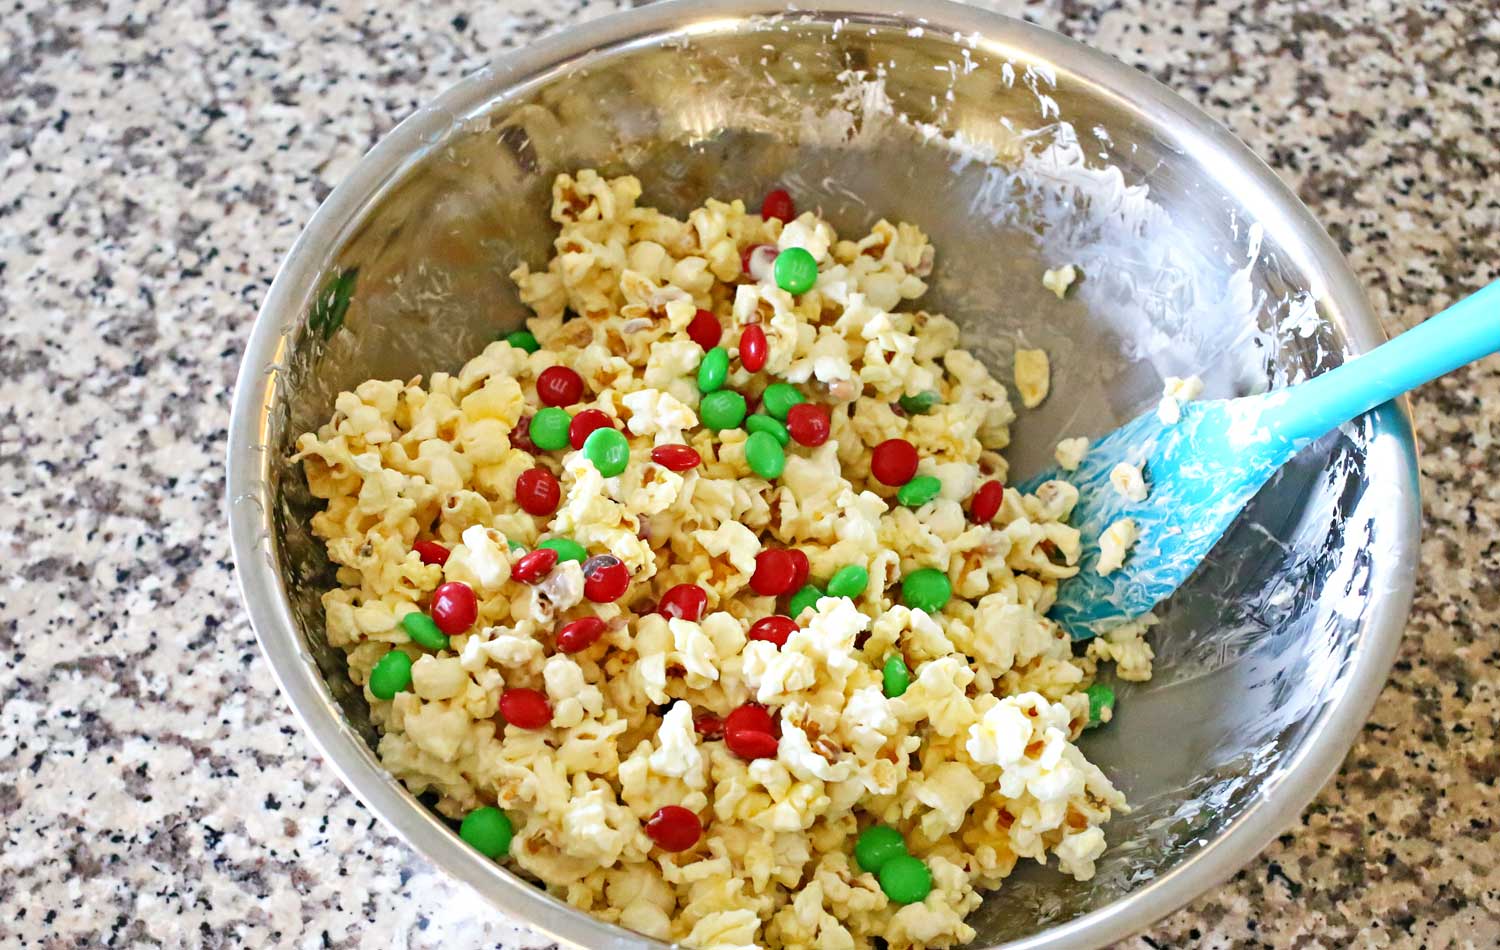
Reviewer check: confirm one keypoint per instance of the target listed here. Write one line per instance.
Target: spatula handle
(1461, 334)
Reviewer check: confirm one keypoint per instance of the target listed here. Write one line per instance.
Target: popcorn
(1115, 543)
(1002, 735)
(1127, 481)
(807, 923)
(937, 695)
(596, 828)
(560, 590)
(1176, 392)
(734, 542)
(1182, 390)
(1126, 645)
(506, 649)
(437, 728)
(948, 789)
(438, 678)
(677, 744)
(694, 649)
(1059, 279)
(726, 930)
(823, 651)
(486, 554)
(809, 233)
(1043, 774)
(590, 515)
(796, 753)
(1070, 453)
(919, 635)
(1076, 853)
(658, 414)
(826, 361)
(973, 764)
(868, 720)
(682, 645)
(1054, 500)
(570, 694)
(1033, 377)
(672, 367)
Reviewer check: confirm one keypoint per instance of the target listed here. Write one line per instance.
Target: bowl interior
(1015, 156)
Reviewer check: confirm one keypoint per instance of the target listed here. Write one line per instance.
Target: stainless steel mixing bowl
(1015, 149)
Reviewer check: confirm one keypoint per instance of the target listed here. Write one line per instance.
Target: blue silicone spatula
(1202, 470)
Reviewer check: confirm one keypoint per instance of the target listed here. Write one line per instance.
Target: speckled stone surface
(159, 160)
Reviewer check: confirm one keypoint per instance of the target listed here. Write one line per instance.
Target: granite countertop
(161, 158)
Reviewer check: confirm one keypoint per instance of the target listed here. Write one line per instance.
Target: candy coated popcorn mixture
(973, 763)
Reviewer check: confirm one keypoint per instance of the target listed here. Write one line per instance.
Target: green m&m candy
(487, 830)
(779, 398)
(905, 880)
(876, 845)
(549, 428)
(805, 599)
(919, 491)
(567, 549)
(1101, 705)
(713, 370)
(919, 404)
(761, 422)
(424, 631)
(926, 589)
(523, 340)
(765, 455)
(609, 450)
(391, 675)
(848, 581)
(724, 409)
(895, 677)
(795, 270)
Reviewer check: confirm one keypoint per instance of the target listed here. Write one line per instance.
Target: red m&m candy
(454, 607)
(779, 205)
(751, 745)
(749, 716)
(775, 628)
(894, 462)
(559, 386)
(534, 566)
(986, 502)
(537, 491)
(580, 634)
(677, 458)
(605, 578)
(525, 708)
(585, 423)
(431, 552)
(775, 570)
(704, 329)
(809, 423)
(674, 828)
(749, 732)
(684, 602)
(801, 567)
(753, 348)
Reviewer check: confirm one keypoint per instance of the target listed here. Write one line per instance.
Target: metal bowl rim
(248, 503)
